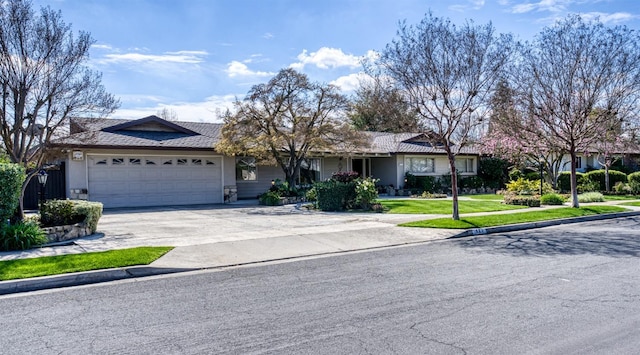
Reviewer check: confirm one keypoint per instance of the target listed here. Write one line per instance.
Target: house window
(419, 165)
(181, 161)
(117, 161)
(465, 165)
(210, 162)
(167, 162)
(196, 161)
(150, 162)
(578, 162)
(134, 161)
(101, 162)
(309, 171)
(246, 169)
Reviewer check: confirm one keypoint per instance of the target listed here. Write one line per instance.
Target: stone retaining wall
(62, 233)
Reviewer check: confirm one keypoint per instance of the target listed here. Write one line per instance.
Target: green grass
(513, 218)
(620, 197)
(62, 264)
(637, 204)
(485, 197)
(418, 206)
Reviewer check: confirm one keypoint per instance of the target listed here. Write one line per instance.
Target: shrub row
(63, 212)
(522, 200)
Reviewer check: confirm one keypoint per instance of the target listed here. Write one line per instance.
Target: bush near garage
(21, 236)
(12, 177)
(65, 212)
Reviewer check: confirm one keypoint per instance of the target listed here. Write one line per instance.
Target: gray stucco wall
(251, 189)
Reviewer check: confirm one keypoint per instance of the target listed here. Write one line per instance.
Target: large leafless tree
(43, 81)
(448, 73)
(282, 121)
(574, 82)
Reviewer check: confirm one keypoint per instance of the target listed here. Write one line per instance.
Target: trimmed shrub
(12, 177)
(591, 197)
(599, 177)
(64, 212)
(621, 188)
(532, 175)
(551, 199)
(335, 195)
(21, 236)
(528, 187)
(564, 180)
(311, 195)
(522, 200)
(426, 183)
(634, 177)
(472, 182)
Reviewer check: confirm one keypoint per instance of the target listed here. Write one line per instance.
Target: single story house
(155, 162)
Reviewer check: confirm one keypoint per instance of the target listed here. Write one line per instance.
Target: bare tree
(167, 114)
(43, 81)
(380, 106)
(448, 73)
(571, 81)
(282, 121)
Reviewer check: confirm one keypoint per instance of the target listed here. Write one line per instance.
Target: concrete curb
(82, 278)
(541, 224)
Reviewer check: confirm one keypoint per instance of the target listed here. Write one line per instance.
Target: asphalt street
(571, 289)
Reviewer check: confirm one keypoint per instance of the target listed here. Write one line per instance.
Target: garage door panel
(136, 183)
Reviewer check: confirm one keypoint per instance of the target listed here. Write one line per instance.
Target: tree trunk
(606, 178)
(574, 181)
(455, 214)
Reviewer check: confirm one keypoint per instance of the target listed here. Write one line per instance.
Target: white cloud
(470, 5)
(267, 35)
(208, 110)
(349, 82)
(236, 68)
(326, 58)
(186, 57)
(542, 5)
(614, 18)
(102, 46)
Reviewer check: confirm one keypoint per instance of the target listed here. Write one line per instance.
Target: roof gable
(149, 124)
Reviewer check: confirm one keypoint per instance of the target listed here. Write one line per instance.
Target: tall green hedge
(634, 177)
(564, 180)
(335, 195)
(12, 177)
(599, 177)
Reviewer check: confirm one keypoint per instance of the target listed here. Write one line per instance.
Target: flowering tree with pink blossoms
(575, 78)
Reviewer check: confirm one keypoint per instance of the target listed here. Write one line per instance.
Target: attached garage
(136, 181)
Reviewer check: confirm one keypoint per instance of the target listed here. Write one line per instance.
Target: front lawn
(423, 206)
(62, 264)
(513, 218)
(636, 204)
(485, 197)
(620, 197)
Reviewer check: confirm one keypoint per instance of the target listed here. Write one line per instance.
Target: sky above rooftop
(194, 57)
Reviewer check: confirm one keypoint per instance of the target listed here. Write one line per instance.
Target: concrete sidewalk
(356, 232)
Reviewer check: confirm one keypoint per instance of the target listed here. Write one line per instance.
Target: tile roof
(155, 133)
(117, 133)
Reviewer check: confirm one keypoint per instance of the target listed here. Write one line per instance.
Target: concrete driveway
(193, 226)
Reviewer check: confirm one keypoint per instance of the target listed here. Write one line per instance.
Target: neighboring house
(154, 162)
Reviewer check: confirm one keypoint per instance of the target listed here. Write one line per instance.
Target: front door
(362, 166)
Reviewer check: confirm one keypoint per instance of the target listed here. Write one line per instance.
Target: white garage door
(134, 181)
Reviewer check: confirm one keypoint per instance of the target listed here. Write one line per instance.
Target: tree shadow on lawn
(611, 242)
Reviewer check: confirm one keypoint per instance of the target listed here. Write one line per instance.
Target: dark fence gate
(54, 189)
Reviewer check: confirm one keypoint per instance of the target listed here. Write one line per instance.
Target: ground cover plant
(420, 206)
(514, 218)
(62, 264)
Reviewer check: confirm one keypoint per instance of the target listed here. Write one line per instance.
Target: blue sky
(195, 57)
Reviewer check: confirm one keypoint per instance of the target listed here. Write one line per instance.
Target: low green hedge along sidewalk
(514, 218)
